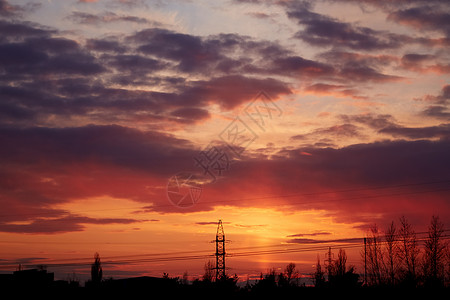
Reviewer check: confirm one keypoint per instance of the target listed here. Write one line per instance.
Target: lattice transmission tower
(220, 252)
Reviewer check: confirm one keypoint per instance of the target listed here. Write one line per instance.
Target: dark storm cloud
(108, 144)
(218, 54)
(105, 45)
(12, 10)
(74, 97)
(324, 31)
(75, 89)
(11, 112)
(191, 113)
(386, 124)
(32, 51)
(359, 67)
(443, 98)
(439, 112)
(259, 15)
(423, 63)
(440, 131)
(414, 61)
(232, 91)
(46, 166)
(418, 14)
(134, 63)
(373, 121)
(321, 30)
(7, 9)
(194, 54)
(42, 167)
(66, 83)
(348, 182)
(69, 223)
(187, 49)
(334, 90)
(298, 66)
(340, 58)
(427, 17)
(18, 31)
(440, 107)
(416, 58)
(358, 72)
(323, 87)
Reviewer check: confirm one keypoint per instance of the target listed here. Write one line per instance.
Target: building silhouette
(27, 279)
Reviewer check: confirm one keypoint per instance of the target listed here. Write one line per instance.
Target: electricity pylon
(220, 252)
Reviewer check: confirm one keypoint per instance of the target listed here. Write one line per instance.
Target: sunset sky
(340, 110)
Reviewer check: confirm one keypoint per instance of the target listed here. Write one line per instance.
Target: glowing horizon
(324, 118)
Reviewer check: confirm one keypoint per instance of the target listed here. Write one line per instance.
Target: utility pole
(329, 261)
(365, 261)
(220, 252)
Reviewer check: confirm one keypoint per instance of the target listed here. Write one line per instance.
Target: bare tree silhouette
(375, 264)
(340, 265)
(290, 272)
(408, 252)
(319, 278)
(185, 278)
(391, 253)
(209, 271)
(447, 265)
(434, 256)
(96, 270)
(341, 276)
(73, 280)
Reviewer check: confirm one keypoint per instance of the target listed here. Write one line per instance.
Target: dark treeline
(394, 259)
(397, 257)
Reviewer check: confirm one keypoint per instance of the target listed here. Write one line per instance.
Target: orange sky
(329, 116)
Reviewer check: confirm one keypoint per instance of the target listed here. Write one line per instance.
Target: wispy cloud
(317, 233)
(60, 225)
(324, 31)
(315, 241)
(109, 17)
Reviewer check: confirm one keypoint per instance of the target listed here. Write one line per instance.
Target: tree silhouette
(209, 271)
(290, 273)
(319, 278)
(96, 270)
(447, 267)
(267, 282)
(341, 276)
(185, 278)
(340, 264)
(73, 280)
(408, 252)
(391, 253)
(375, 264)
(434, 254)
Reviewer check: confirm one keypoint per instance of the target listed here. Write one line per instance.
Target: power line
(343, 241)
(170, 257)
(201, 254)
(314, 242)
